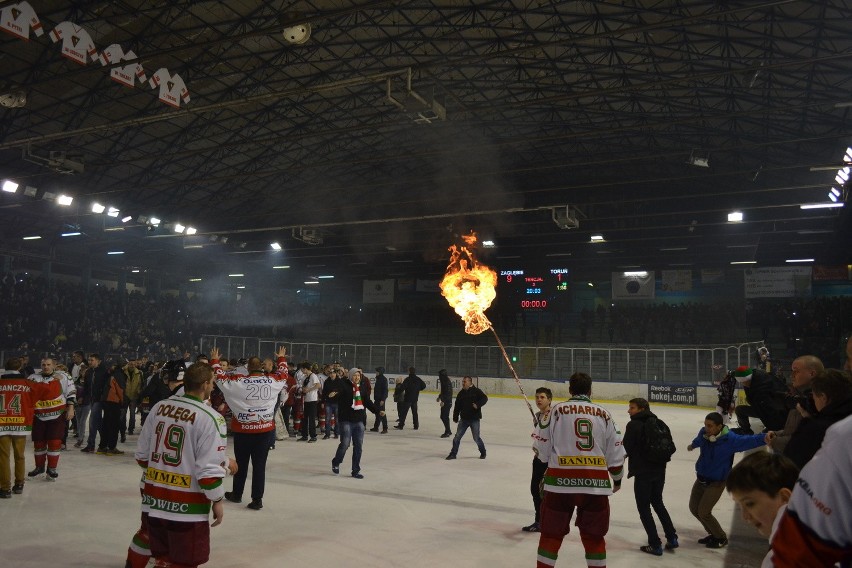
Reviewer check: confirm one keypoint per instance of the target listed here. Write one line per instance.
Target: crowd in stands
(60, 316)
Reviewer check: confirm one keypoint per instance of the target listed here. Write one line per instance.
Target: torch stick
(514, 374)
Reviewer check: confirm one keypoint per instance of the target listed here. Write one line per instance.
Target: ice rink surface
(413, 508)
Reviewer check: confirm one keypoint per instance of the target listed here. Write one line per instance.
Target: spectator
(765, 396)
(380, 395)
(445, 399)
(353, 421)
(467, 412)
(413, 386)
(650, 478)
(131, 395)
(804, 369)
(332, 383)
(717, 446)
(310, 386)
(112, 399)
(94, 384)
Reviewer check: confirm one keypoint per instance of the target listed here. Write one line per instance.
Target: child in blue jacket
(717, 445)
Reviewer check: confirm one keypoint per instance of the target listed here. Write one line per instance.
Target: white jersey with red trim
(172, 87)
(77, 44)
(251, 396)
(816, 530)
(17, 19)
(56, 391)
(127, 74)
(182, 450)
(582, 448)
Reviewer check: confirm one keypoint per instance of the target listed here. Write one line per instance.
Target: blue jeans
(95, 420)
(331, 409)
(474, 430)
(81, 415)
(354, 432)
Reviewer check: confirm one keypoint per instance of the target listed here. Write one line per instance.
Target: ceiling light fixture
(116, 252)
(282, 266)
(799, 260)
(64, 199)
(112, 212)
(127, 219)
(735, 217)
(154, 221)
(488, 244)
(597, 239)
(135, 271)
(744, 262)
(97, 208)
(325, 277)
(9, 186)
(830, 205)
(191, 230)
(195, 279)
(311, 282)
(71, 234)
(179, 228)
(236, 275)
(32, 238)
(636, 273)
(667, 249)
(275, 246)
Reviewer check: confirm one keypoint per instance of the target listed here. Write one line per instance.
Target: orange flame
(469, 286)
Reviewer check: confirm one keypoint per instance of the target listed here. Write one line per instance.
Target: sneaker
(385, 431)
(229, 495)
(531, 528)
(706, 539)
(37, 471)
(5, 494)
(655, 550)
(18, 488)
(52, 474)
(357, 475)
(256, 504)
(374, 429)
(671, 544)
(446, 434)
(114, 452)
(717, 542)
(482, 456)
(326, 437)
(88, 450)
(335, 469)
(312, 440)
(102, 452)
(450, 457)
(398, 427)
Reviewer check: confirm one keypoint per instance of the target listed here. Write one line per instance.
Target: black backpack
(658, 445)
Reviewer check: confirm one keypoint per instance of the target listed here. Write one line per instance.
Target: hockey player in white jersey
(582, 448)
(182, 450)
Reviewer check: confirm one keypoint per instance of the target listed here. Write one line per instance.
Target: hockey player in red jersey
(582, 449)
(18, 397)
(53, 410)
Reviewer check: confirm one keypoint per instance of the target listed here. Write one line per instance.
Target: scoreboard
(534, 289)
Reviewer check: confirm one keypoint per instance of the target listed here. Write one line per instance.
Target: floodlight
(9, 186)
(178, 228)
(597, 239)
(275, 246)
(799, 260)
(735, 217)
(847, 158)
(71, 234)
(636, 273)
(97, 208)
(191, 230)
(112, 212)
(64, 199)
(154, 221)
(127, 219)
(30, 191)
(116, 252)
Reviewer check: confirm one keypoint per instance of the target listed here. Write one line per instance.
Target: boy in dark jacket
(650, 480)
(717, 445)
(468, 409)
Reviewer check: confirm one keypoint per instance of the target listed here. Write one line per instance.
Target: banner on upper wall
(406, 284)
(832, 272)
(633, 285)
(673, 394)
(778, 282)
(712, 276)
(676, 280)
(378, 291)
(428, 285)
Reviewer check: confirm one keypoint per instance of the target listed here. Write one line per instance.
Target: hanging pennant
(172, 87)
(17, 19)
(77, 44)
(127, 74)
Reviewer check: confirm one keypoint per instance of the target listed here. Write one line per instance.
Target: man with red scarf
(353, 401)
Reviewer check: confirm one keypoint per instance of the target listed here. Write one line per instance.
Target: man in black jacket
(353, 407)
(445, 399)
(380, 395)
(413, 385)
(112, 398)
(332, 384)
(468, 409)
(95, 382)
(765, 394)
(650, 479)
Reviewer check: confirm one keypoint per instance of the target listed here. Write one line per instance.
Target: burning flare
(469, 287)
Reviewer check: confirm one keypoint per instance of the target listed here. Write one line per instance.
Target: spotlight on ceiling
(178, 228)
(700, 158)
(30, 191)
(112, 212)
(64, 199)
(275, 246)
(127, 219)
(298, 34)
(154, 221)
(735, 217)
(9, 186)
(191, 230)
(597, 239)
(97, 208)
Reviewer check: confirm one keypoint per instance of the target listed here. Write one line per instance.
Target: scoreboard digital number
(535, 290)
